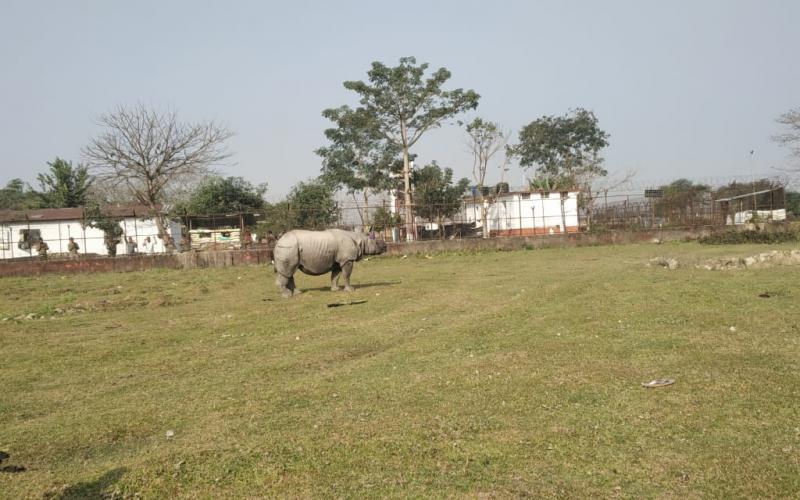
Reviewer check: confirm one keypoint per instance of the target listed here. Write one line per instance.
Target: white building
(20, 231)
(525, 213)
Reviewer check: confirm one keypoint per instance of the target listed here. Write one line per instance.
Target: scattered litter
(428, 257)
(732, 329)
(404, 257)
(351, 303)
(764, 295)
(170, 434)
(659, 382)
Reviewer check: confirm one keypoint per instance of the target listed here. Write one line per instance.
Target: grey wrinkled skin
(320, 252)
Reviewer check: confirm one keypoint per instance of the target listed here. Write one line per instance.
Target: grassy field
(479, 375)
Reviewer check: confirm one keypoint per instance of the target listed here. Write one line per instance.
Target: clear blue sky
(685, 88)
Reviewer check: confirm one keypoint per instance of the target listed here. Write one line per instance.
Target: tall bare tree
(484, 140)
(595, 186)
(791, 136)
(149, 153)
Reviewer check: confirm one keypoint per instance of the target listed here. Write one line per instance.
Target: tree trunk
(409, 211)
(365, 220)
(161, 224)
(358, 209)
(484, 222)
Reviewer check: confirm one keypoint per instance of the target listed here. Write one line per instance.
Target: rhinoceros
(319, 252)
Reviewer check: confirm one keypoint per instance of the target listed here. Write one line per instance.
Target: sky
(684, 88)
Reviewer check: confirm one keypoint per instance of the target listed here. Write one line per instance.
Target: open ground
(488, 374)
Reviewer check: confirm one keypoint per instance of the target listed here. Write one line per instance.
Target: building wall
(57, 233)
(527, 214)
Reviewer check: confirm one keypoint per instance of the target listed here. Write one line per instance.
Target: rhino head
(373, 247)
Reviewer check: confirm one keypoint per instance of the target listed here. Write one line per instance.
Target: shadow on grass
(358, 286)
(92, 489)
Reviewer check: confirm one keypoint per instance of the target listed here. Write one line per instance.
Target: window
(5, 239)
(28, 238)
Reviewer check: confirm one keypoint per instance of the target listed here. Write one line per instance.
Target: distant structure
(764, 205)
(21, 231)
(218, 231)
(524, 213)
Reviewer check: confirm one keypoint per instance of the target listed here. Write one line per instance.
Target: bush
(739, 237)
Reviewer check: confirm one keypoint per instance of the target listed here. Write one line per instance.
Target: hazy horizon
(684, 90)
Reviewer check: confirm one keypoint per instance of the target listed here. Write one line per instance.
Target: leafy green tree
(384, 219)
(278, 217)
(793, 203)
(112, 232)
(311, 205)
(403, 104)
(741, 188)
(358, 157)
(222, 195)
(18, 196)
(680, 196)
(64, 186)
(563, 149)
(436, 197)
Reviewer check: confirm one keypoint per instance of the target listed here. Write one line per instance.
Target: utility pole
(753, 178)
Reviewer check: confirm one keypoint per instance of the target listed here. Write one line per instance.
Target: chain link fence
(34, 234)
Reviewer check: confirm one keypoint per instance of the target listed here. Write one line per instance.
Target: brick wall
(126, 263)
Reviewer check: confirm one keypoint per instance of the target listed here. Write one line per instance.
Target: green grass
(489, 374)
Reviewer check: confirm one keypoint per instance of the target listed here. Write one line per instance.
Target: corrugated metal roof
(55, 214)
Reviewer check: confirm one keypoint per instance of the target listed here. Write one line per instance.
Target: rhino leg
(335, 272)
(291, 286)
(347, 269)
(285, 285)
